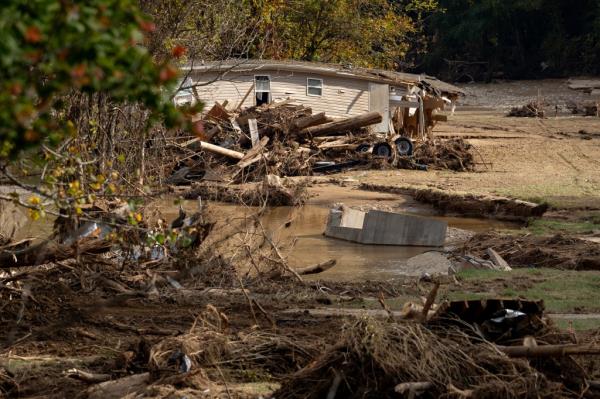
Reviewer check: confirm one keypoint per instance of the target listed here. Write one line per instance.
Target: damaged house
(409, 103)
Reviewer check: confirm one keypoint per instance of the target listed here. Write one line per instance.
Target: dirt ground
(556, 160)
(108, 319)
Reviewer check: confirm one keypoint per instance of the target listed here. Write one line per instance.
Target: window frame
(262, 91)
(312, 86)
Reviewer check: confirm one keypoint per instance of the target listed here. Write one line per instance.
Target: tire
(363, 148)
(404, 146)
(383, 149)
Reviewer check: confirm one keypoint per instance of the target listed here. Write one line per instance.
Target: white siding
(341, 96)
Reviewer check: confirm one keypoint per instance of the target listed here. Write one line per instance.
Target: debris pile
(375, 359)
(531, 110)
(453, 154)
(588, 109)
(286, 139)
(557, 251)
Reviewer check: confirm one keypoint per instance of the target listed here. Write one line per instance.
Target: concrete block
(385, 228)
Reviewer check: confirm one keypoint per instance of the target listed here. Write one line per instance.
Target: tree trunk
(370, 118)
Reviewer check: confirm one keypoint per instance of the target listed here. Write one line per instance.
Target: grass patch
(545, 226)
(563, 291)
(577, 324)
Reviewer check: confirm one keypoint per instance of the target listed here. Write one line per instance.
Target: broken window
(314, 87)
(262, 88)
(185, 94)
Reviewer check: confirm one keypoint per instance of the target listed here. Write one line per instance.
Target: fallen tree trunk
(549, 350)
(51, 251)
(318, 268)
(311, 120)
(370, 118)
(119, 388)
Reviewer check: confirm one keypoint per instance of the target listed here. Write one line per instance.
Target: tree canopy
(518, 38)
(50, 47)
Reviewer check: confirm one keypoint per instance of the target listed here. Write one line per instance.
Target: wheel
(363, 148)
(382, 149)
(404, 146)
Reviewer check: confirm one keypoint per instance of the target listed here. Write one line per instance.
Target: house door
(379, 100)
(262, 89)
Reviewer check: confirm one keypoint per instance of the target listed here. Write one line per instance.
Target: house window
(262, 89)
(185, 94)
(314, 87)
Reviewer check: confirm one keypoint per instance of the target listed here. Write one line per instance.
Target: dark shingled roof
(375, 75)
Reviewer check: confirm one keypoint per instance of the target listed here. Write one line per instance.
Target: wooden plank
(245, 97)
(253, 125)
(220, 150)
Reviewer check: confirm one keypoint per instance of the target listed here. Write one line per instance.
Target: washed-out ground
(553, 160)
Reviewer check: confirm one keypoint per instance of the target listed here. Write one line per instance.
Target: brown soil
(118, 319)
(542, 160)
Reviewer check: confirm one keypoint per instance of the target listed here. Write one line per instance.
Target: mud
(468, 204)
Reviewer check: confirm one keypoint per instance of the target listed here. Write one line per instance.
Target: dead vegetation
(530, 110)
(557, 251)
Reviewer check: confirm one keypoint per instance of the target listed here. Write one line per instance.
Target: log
(312, 120)
(318, 268)
(370, 118)
(413, 388)
(118, 388)
(220, 150)
(87, 376)
(51, 251)
(498, 260)
(254, 154)
(549, 350)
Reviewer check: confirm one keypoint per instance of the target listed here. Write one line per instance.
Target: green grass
(563, 291)
(545, 226)
(577, 324)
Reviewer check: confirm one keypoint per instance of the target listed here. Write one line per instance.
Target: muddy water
(354, 261)
(304, 243)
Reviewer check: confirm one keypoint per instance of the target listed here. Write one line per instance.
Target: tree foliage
(520, 38)
(362, 32)
(50, 47)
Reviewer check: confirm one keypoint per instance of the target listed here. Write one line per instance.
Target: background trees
(518, 38)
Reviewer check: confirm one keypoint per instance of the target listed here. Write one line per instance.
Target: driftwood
(549, 350)
(413, 388)
(318, 268)
(87, 376)
(370, 118)
(118, 388)
(498, 260)
(312, 120)
(51, 251)
(220, 150)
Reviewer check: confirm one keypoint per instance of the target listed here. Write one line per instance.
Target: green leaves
(48, 47)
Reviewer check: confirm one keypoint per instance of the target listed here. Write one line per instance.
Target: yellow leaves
(36, 212)
(35, 200)
(134, 218)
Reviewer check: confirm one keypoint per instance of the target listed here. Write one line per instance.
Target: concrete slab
(384, 228)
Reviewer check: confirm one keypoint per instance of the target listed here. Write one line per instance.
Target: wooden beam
(220, 150)
(370, 118)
